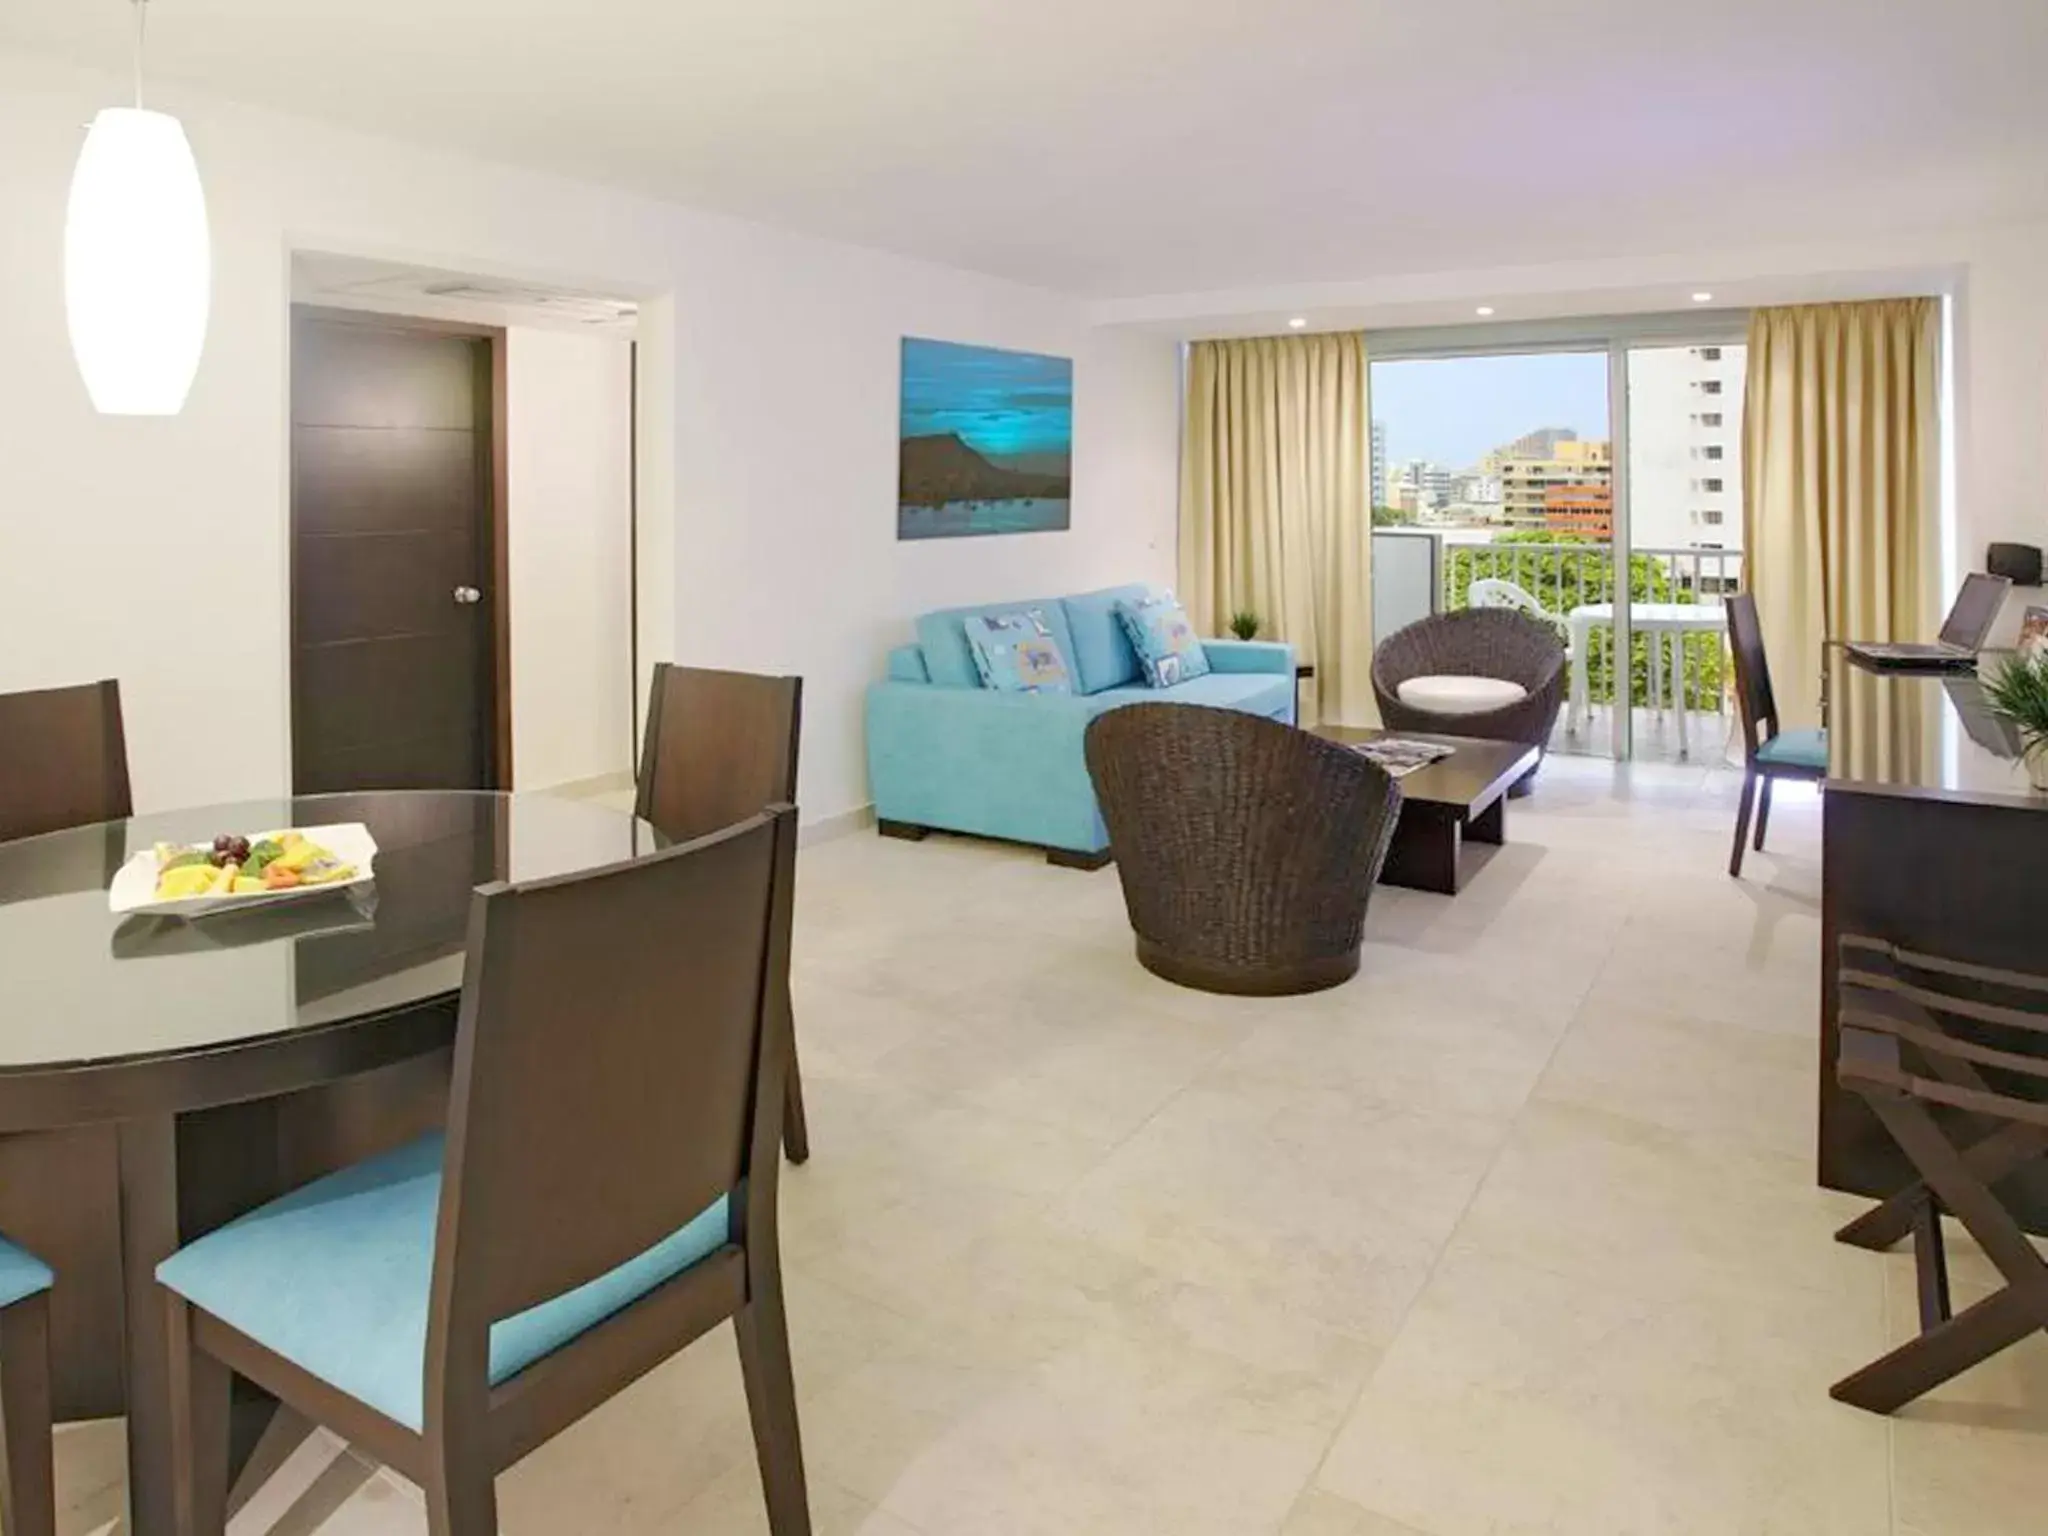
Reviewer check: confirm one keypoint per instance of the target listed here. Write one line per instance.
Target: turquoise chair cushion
(22, 1274)
(1168, 649)
(335, 1278)
(1796, 749)
(949, 660)
(1102, 653)
(1016, 653)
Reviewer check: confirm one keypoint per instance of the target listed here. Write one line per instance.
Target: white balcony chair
(1499, 592)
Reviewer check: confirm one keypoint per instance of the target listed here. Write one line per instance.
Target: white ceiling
(1125, 147)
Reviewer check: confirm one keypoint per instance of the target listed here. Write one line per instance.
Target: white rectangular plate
(134, 887)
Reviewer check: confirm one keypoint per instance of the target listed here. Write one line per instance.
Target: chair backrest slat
(1753, 696)
(719, 747)
(616, 1031)
(63, 759)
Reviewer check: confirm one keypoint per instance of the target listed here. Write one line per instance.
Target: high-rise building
(1540, 444)
(1379, 464)
(1685, 446)
(1432, 482)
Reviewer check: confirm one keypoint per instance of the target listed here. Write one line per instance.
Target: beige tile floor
(1514, 1233)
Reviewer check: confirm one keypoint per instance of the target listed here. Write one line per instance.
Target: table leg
(149, 1235)
(1581, 639)
(1679, 667)
(1656, 671)
(1489, 825)
(1424, 854)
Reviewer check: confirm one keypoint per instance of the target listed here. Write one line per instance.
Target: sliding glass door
(1547, 467)
(1507, 458)
(1684, 502)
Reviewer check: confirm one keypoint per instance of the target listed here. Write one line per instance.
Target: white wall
(156, 550)
(568, 514)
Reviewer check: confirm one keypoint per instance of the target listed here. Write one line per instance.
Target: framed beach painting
(987, 441)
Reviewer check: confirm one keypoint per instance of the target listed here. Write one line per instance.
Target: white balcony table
(1660, 622)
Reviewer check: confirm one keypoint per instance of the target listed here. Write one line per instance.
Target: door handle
(467, 595)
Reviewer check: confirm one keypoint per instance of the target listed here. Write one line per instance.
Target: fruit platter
(240, 870)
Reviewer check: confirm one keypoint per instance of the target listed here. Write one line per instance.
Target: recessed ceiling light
(1703, 297)
(1296, 323)
(1484, 309)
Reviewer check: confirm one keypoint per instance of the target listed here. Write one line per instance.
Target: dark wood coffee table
(1455, 798)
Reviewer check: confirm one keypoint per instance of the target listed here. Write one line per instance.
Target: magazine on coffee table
(1400, 756)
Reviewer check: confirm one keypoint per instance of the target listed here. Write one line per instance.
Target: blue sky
(1002, 403)
(1456, 409)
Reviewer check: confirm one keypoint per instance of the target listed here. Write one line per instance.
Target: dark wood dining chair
(28, 1505)
(1768, 752)
(63, 763)
(1953, 1059)
(63, 759)
(605, 1194)
(720, 746)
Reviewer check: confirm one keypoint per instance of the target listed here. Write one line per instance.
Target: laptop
(1962, 632)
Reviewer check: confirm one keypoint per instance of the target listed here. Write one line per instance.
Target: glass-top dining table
(159, 1076)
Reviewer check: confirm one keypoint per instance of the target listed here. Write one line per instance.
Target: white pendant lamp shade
(138, 263)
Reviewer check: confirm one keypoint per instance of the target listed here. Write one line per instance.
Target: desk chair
(1768, 753)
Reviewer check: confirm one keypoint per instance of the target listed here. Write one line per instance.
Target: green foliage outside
(1562, 578)
(1391, 517)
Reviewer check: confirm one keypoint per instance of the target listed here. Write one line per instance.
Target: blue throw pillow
(1168, 649)
(1016, 653)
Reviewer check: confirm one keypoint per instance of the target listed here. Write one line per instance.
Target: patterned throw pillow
(1016, 653)
(1168, 650)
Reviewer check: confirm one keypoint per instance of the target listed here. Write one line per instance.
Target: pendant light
(138, 262)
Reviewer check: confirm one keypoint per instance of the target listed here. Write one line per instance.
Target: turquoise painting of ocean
(987, 441)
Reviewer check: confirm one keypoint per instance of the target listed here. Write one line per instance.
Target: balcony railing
(1558, 575)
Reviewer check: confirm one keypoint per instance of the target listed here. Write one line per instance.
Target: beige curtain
(1275, 469)
(1840, 481)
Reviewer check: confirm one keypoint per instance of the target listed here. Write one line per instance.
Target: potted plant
(1244, 624)
(2018, 693)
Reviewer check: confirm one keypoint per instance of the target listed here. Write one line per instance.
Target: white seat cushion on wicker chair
(1460, 695)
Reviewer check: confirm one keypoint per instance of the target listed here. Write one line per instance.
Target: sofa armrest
(1249, 656)
(906, 665)
(978, 760)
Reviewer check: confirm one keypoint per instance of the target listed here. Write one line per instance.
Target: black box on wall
(2019, 564)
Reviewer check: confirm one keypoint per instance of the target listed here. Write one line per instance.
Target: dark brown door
(393, 675)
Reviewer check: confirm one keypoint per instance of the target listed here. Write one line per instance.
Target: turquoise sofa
(944, 752)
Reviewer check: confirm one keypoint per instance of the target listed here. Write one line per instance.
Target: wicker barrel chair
(1498, 643)
(1247, 849)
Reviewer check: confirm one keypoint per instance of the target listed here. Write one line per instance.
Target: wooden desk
(1932, 839)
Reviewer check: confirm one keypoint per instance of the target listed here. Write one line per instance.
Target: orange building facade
(1582, 509)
